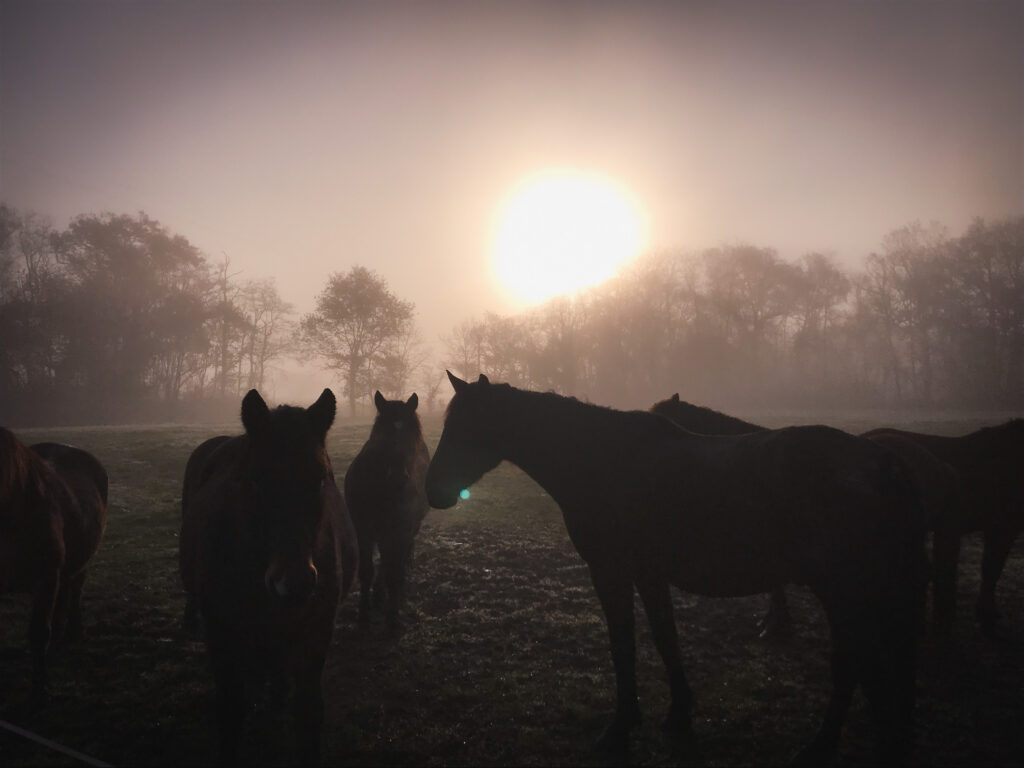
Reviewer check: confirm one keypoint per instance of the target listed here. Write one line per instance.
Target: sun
(560, 231)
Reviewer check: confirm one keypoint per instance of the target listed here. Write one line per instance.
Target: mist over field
(791, 211)
(755, 205)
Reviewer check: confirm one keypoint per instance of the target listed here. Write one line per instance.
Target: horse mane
(629, 424)
(703, 420)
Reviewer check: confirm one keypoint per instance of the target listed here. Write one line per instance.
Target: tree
(356, 329)
(268, 326)
(134, 289)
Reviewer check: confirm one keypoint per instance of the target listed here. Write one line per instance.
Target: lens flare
(464, 493)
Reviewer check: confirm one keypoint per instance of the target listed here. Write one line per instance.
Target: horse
(988, 465)
(648, 504)
(385, 489)
(938, 482)
(53, 505)
(267, 550)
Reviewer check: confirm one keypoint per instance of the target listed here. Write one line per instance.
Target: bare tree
(356, 326)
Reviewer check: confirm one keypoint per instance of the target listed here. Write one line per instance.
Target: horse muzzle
(440, 499)
(295, 585)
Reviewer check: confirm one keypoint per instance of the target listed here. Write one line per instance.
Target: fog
(296, 141)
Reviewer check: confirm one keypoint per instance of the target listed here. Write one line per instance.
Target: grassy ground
(505, 660)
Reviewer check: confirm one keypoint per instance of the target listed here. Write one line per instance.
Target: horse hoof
(614, 742)
(678, 725)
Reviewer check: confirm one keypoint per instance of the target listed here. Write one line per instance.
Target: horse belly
(725, 566)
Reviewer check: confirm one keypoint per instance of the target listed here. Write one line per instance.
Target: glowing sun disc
(562, 231)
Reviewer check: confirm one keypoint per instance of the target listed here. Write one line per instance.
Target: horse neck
(559, 442)
(708, 422)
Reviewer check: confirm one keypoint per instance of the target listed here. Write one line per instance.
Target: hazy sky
(303, 138)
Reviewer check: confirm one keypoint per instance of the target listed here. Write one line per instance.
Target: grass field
(505, 660)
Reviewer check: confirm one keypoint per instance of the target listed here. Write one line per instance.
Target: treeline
(116, 320)
(928, 321)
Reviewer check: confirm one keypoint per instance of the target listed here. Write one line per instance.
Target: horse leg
(75, 631)
(61, 608)
(845, 673)
(190, 619)
(40, 629)
(889, 670)
(366, 571)
(874, 642)
(657, 600)
(615, 592)
(998, 543)
(945, 554)
(777, 622)
(392, 564)
(230, 706)
(308, 712)
(67, 614)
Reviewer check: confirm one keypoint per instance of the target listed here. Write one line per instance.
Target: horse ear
(413, 401)
(675, 398)
(483, 380)
(457, 384)
(321, 413)
(254, 411)
(378, 400)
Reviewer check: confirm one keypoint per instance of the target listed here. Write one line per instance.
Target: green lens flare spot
(464, 493)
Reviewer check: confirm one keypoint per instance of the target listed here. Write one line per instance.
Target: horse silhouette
(267, 550)
(53, 505)
(648, 504)
(965, 483)
(386, 494)
(988, 465)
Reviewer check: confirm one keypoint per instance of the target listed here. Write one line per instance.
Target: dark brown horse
(385, 488)
(648, 504)
(988, 464)
(936, 465)
(53, 505)
(264, 537)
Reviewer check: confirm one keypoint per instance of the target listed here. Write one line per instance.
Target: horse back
(780, 505)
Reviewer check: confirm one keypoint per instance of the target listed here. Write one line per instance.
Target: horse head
(396, 422)
(467, 449)
(285, 476)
